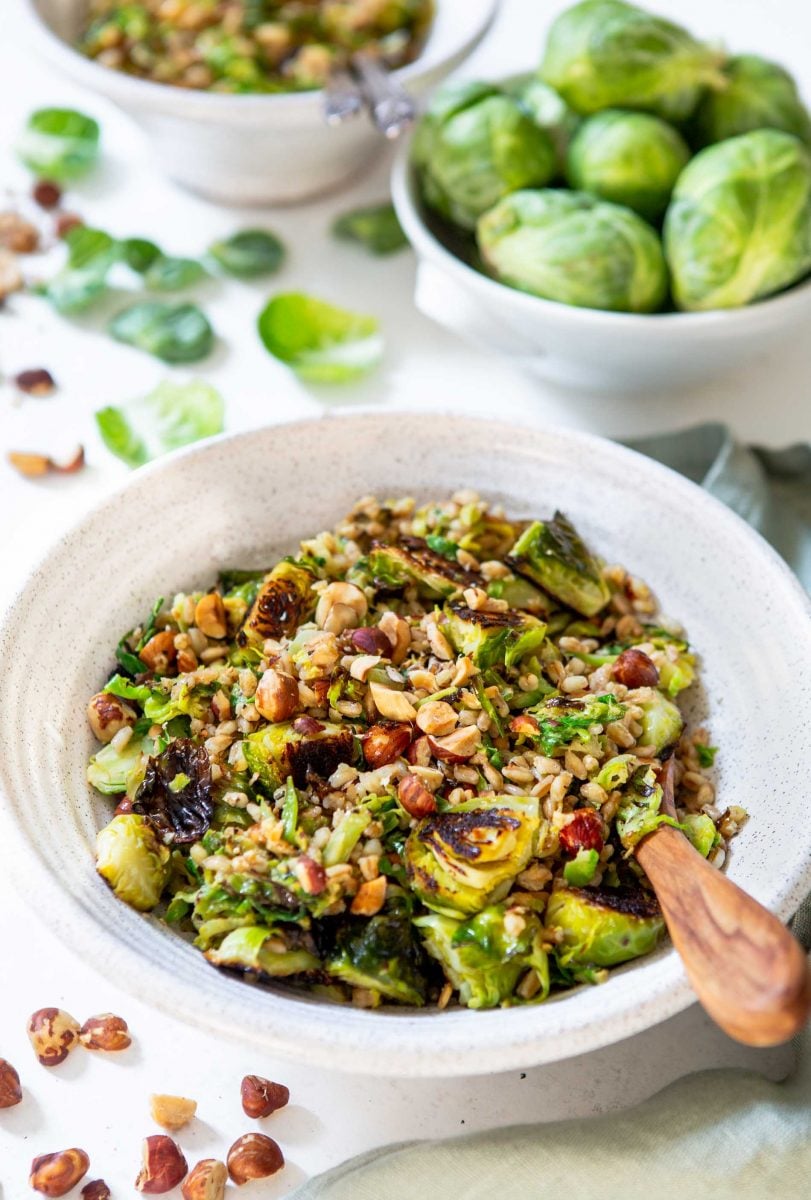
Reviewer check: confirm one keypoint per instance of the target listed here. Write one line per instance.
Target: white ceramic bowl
(241, 500)
(252, 149)
(584, 347)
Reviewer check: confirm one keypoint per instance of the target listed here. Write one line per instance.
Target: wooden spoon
(747, 970)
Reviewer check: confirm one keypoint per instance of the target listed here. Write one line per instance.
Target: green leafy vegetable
(249, 254)
(290, 813)
(553, 555)
(321, 342)
(579, 871)
(91, 254)
(168, 274)
(562, 719)
(383, 955)
(758, 95)
(639, 811)
(172, 415)
(175, 333)
(132, 860)
(376, 228)
(600, 928)
(706, 754)
(139, 253)
(59, 144)
(442, 545)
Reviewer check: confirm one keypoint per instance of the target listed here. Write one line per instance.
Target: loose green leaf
(706, 754)
(59, 144)
(175, 333)
(442, 545)
(319, 341)
(290, 813)
(91, 254)
(376, 228)
(139, 253)
(172, 415)
(249, 254)
(169, 274)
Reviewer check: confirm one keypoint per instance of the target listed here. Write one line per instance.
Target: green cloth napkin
(718, 1135)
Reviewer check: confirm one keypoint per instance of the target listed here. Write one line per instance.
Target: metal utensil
(342, 97)
(392, 109)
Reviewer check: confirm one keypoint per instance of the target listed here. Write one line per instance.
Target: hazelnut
(46, 193)
(261, 1097)
(35, 382)
(53, 1033)
(10, 1091)
(392, 703)
(371, 641)
(634, 669)
(209, 616)
(370, 897)
(276, 696)
(524, 725)
(105, 1032)
(17, 234)
(383, 743)
(97, 1189)
(206, 1181)
(436, 717)
(108, 715)
(65, 222)
(310, 874)
(172, 1112)
(162, 1165)
(399, 634)
(159, 652)
(254, 1156)
(457, 746)
(11, 279)
(340, 606)
(419, 752)
(56, 1174)
(186, 661)
(415, 797)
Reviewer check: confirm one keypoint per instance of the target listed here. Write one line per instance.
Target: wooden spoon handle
(747, 970)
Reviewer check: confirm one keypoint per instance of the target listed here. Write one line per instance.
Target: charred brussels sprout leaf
(486, 957)
(319, 341)
(609, 54)
(603, 927)
(491, 638)
(263, 951)
(640, 812)
(376, 229)
(279, 751)
(739, 225)
(132, 860)
(381, 954)
(462, 860)
(249, 254)
(173, 415)
(662, 722)
(174, 333)
(59, 144)
(553, 555)
(412, 560)
(181, 814)
(564, 719)
(284, 601)
(758, 95)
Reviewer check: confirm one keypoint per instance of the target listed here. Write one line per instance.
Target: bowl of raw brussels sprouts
(636, 213)
(222, 119)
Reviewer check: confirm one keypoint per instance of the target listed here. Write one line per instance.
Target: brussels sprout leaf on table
(376, 228)
(83, 279)
(59, 144)
(319, 341)
(249, 254)
(175, 333)
(171, 416)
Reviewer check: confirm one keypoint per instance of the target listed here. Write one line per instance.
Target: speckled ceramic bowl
(240, 500)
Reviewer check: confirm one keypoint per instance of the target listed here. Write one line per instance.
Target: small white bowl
(217, 504)
(252, 149)
(585, 347)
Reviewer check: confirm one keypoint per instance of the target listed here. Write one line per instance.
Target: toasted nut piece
(105, 1032)
(162, 1165)
(392, 704)
(97, 1189)
(261, 1097)
(186, 661)
(371, 641)
(310, 874)
(33, 465)
(276, 696)
(209, 615)
(362, 665)
(10, 1091)
(108, 714)
(440, 646)
(11, 277)
(399, 634)
(383, 743)
(46, 193)
(65, 222)
(414, 797)
(370, 897)
(17, 234)
(56, 1174)
(635, 669)
(35, 382)
(53, 1033)
(340, 606)
(457, 746)
(436, 717)
(524, 724)
(419, 752)
(253, 1156)
(159, 652)
(206, 1181)
(172, 1112)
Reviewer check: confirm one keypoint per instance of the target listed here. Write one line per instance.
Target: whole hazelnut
(97, 1189)
(162, 1165)
(10, 1091)
(206, 1181)
(172, 1112)
(254, 1156)
(261, 1097)
(276, 696)
(53, 1033)
(105, 1032)
(415, 797)
(56, 1174)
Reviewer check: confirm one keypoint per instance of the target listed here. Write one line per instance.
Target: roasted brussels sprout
(553, 554)
(462, 860)
(280, 750)
(263, 951)
(609, 54)
(661, 722)
(113, 771)
(739, 225)
(133, 860)
(482, 153)
(572, 248)
(758, 95)
(640, 810)
(176, 794)
(381, 954)
(412, 560)
(283, 602)
(701, 831)
(486, 956)
(629, 158)
(562, 720)
(603, 927)
(551, 112)
(491, 638)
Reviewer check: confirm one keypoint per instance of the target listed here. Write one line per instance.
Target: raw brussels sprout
(257, 949)
(446, 102)
(739, 225)
(133, 860)
(383, 955)
(551, 112)
(661, 722)
(462, 860)
(413, 561)
(491, 638)
(278, 751)
(486, 957)
(628, 158)
(603, 927)
(479, 155)
(758, 95)
(572, 248)
(553, 554)
(283, 602)
(609, 54)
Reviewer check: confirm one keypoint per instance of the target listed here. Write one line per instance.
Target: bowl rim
(451, 1044)
(405, 197)
(203, 102)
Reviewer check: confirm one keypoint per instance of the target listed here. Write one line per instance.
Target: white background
(102, 1104)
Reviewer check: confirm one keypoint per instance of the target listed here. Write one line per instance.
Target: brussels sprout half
(758, 95)
(491, 638)
(412, 560)
(283, 602)
(553, 554)
(603, 927)
(381, 954)
(662, 722)
(263, 951)
(132, 860)
(279, 750)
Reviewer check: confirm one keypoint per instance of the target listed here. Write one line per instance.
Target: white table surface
(101, 1103)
